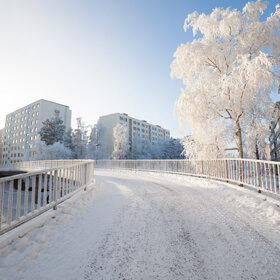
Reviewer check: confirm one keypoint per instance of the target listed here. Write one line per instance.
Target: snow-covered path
(135, 226)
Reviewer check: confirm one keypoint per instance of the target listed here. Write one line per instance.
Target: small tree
(136, 149)
(97, 143)
(68, 139)
(121, 146)
(79, 145)
(52, 130)
(157, 150)
(172, 149)
(141, 147)
(228, 73)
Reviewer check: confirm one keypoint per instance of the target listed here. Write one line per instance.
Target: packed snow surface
(132, 225)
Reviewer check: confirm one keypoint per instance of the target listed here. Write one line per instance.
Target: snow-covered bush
(51, 152)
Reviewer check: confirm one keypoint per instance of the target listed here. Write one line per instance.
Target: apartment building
(275, 133)
(23, 125)
(1, 142)
(141, 128)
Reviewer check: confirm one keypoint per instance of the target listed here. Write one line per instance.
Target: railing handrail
(41, 163)
(37, 172)
(199, 160)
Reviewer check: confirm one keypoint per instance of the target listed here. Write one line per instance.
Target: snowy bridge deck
(131, 225)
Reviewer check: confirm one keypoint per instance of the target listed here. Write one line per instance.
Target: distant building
(1, 142)
(141, 128)
(23, 125)
(275, 133)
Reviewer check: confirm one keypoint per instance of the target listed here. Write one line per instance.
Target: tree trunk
(257, 152)
(239, 139)
(240, 151)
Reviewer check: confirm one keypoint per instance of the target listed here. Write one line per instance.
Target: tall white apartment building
(23, 125)
(1, 142)
(141, 128)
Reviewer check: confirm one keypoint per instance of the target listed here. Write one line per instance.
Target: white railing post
(85, 168)
(227, 170)
(18, 198)
(10, 202)
(258, 178)
(1, 202)
(55, 190)
(33, 178)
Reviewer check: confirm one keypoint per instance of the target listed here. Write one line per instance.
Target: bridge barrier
(258, 174)
(24, 196)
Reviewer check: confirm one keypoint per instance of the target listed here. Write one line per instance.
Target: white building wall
(1, 142)
(144, 129)
(23, 125)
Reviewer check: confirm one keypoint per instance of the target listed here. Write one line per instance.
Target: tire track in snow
(243, 251)
(171, 231)
(147, 242)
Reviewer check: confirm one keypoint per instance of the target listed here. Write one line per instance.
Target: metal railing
(26, 195)
(258, 174)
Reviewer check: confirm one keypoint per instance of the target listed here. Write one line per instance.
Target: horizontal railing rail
(258, 174)
(24, 196)
(37, 165)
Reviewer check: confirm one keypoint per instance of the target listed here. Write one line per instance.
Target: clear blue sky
(98, 57)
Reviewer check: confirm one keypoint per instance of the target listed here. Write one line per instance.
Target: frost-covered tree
(167, 149)
(256, 145)
(192, 150)
(68, 139)
(51, 152)
(79, 145)
(157, 150)
(52, 130)
(136, 149)
(146, 149)
(172, 149)
(97, 144)
(228, 73)
(141, 148)
(80, 140)
(121, 146)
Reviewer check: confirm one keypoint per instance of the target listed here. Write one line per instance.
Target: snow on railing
(26, 195)
(258, 174)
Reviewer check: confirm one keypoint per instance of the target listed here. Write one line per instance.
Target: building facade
(1, 142)
(275, 133)
(23, 125)
(140, 128)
